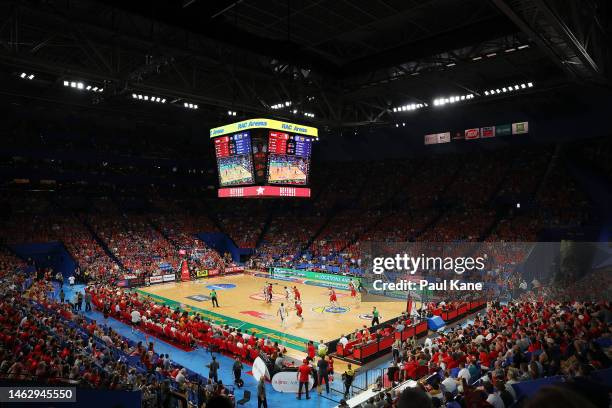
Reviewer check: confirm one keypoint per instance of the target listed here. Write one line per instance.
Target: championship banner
(503, 130)
(471, 134)
(520, 128)
(431, 139)
(444, 137)
(487, 131)
(436, 138)
(201, 273)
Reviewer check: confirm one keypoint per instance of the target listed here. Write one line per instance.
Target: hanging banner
(471, 134)
(503, 130)
(444, 137)
(431, 139)
(487, 131)
(520, 128)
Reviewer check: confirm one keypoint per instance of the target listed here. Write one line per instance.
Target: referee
(213, 298)
(375, 317)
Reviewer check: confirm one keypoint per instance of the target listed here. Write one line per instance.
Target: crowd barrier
(451, 315)
(362, 353)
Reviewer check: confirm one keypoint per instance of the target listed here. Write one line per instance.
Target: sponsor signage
(263, 191)
(199, 298)
(520, 128)
(234, 269)
(264, 124)
(286, 381)
(503, 130)
(169, 277)
(487, 131)
(316, 276)
(213, 272)
(156, 279)
(201, 273)
(471, 134)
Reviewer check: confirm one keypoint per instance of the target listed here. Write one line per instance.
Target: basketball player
(296, 294)
(352, 289)
(298, 310)
(269, 293)
(332, 297)
(282, 312)
(287, 293)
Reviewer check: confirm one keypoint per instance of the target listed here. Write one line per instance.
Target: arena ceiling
(347, 62)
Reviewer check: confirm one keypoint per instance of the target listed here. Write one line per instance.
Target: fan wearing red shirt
(303, 374)
(311, 350)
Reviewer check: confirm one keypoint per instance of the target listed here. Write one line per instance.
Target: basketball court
(242, 305)
(234, 174)
(285, 172)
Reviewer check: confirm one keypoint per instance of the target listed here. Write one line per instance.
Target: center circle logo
(331, 309)
(221, 286)
(368, 316)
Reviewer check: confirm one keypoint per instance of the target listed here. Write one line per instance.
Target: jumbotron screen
(234, 161)
(289, 158)
(261, 156)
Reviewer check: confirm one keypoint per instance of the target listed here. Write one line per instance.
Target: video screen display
(284, 169)
(235, 170)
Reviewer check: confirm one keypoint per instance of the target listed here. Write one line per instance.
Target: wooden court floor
(241, 303)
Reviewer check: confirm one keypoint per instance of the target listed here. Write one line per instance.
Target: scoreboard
(263, 157)
(236, 144)
(286, 144)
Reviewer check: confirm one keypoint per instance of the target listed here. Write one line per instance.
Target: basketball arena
(326, 203)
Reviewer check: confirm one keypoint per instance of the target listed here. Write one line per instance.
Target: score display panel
(234, 162)
(288, 158)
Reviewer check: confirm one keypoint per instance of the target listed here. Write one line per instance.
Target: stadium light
(25, 75)
(509, 88)
(231, 113)
(409, 107)
(281, 105)
(82, 86)
(452, 99)
(309, 115)
(156, 99)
